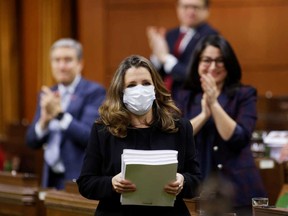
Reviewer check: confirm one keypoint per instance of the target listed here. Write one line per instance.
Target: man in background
(172, 50)
(65, 114)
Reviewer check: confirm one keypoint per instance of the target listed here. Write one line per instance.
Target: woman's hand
(225, 125)
(206, 112)
(121, 185)
(157, 42)
(175, 187)
(209, 88)
(199, 120)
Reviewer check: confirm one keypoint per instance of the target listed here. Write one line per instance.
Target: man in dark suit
(171, 51)
(64, 116)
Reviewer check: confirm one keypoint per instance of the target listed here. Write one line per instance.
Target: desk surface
(270, 211)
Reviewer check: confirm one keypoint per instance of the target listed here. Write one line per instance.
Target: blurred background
(110, 30)
(113, 29)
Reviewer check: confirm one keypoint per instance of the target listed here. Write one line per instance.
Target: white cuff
(155, 61)
(39, 132)
(58, 167)
(65, 121)
(170, 62)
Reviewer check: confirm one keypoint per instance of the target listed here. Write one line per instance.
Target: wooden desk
(270, 211)
(17, 154)
(18, 194)
(71, 203)
(68, 202)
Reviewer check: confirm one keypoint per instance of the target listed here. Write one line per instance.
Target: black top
(103, 161)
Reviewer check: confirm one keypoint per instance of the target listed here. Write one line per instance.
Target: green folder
(282, 202)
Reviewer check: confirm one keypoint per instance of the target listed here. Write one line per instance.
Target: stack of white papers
(150, 171)
(276, 140)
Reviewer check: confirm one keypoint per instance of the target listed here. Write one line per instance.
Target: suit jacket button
(215, 148)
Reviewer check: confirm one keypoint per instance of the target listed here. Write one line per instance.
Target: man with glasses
(171, 50)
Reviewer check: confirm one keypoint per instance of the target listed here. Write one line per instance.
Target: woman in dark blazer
(138, 113)
(223, 114)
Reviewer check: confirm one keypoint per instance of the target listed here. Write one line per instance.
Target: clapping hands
(209, 88)
(50, 103)
(157, 42)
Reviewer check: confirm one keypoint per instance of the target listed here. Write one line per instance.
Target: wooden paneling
(42, 22)
(30, 55)
(71, 203)
(272, 113)
(111, 30)
(68, 204)
(18, 195)
(258, 32)
(256, 29)
(92, 34)
(127, 23)
(9, 67)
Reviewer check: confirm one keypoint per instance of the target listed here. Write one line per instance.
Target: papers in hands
(150, 171)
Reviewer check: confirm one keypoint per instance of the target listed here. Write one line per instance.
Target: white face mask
(139, 99)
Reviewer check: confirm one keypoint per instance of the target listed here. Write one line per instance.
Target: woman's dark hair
(231, 64)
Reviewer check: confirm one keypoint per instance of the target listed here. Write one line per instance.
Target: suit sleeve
(31, 138)
(179, 71)
(92, 183)
(79, 128)
(245, 117)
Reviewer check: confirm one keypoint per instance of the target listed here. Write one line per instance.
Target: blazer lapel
(76, 99)
(199, 32)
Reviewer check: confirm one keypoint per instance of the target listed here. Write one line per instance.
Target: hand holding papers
(150, 171)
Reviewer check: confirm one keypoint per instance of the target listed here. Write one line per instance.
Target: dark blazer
(179, 70)
(103, 161)
(233, 158)
(87, 98)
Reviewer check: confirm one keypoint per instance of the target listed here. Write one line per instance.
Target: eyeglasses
(191, 6)
(206, 62)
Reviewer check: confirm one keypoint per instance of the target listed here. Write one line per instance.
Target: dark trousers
(56, 180)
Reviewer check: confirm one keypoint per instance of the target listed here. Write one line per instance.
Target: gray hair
(206, 3)
(71, 43)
